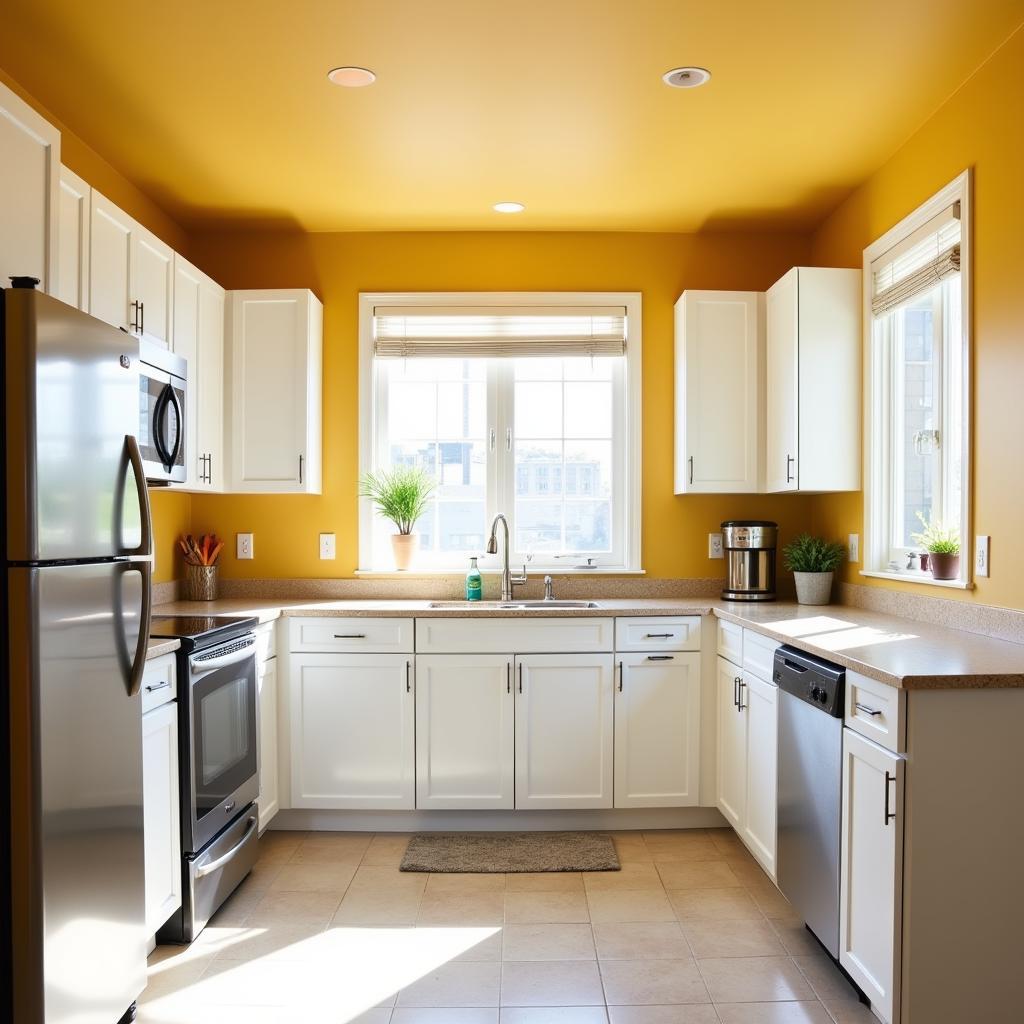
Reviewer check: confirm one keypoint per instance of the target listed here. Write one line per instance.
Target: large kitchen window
(522, 404)
(917, 292)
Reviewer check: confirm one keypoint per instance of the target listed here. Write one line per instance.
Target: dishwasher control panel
(811, 679)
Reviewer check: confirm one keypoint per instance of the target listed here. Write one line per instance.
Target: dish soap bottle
(474, 584)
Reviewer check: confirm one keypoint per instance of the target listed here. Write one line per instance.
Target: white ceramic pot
(404, 546)
(813, 587)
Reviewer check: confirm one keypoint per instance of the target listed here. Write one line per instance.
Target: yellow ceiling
(221, 111)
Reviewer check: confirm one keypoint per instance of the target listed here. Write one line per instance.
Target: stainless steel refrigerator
(78, 554)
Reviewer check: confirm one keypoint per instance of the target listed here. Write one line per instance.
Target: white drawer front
(356, 635)
(758, 654)
(730, 641)
(540, 635)
(658, 633)
(876, 711)
(266, 641)
(158, 682)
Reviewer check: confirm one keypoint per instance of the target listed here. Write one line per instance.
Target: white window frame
(879, 456)
(626, 426)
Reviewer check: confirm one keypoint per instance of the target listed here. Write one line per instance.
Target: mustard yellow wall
(338, 266)
(978, 127)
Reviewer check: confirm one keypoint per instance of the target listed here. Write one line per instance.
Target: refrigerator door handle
(145, 548)
(134, 667)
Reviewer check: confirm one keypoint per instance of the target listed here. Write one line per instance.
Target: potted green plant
(401, 495)
(943, 547)
(813, 561)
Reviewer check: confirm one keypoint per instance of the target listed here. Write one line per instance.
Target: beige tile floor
(326, 928)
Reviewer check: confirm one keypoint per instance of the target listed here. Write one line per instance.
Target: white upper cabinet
(152, 286)
(813, 357)
(110, 262)
(29, 193)
(73, 241)
(719, 388)
(275, 393)
(199, 338)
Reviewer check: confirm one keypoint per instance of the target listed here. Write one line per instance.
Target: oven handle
(200, 668)
(216, 865)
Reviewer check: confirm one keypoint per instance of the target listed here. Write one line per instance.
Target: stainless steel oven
(163, 385)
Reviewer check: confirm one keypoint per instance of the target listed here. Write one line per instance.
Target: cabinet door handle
(867, 711)
(739, 700)
(300, 469)
(789, 462)
(691, 469)
(661, 657)
(620, 677)
(142, 313)
(735, 691)
(657, 636)
(508, 676)
(209, 469)
(889, 815)
(134, 322)
(520, 668)
(157, 686)
(408, 681)
(349, 636)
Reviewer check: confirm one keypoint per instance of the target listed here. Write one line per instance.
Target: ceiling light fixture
(686, 78)
(509, 207)
(351, 78)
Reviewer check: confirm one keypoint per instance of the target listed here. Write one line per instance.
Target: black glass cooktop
(200, 630)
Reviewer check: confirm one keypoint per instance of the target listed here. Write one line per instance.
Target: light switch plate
(244, 545)
(715, 546)
(853, 547)
(327, 547)
(981, 546)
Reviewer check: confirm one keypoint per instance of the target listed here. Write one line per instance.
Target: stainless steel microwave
(163, 385)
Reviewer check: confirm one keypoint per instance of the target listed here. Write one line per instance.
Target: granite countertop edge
(158, 647)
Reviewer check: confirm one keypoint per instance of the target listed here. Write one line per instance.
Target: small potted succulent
(813, 561)
(401, 494)
(943, 547)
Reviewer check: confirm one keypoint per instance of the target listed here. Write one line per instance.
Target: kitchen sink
(510, 605)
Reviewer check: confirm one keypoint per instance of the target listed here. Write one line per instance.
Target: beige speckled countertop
(899, 652)
(160, 646)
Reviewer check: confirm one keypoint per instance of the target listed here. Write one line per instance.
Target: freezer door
(71, 400)
(78, 895)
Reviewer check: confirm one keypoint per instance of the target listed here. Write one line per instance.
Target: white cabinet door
(719, 368)
(761, 700)
(465, 718)
(29, 193)
(110, 262)
(161, 814)
(185, 342)
(564, 730)
(275, 391)
(152, 286)
(73, 236)
(266, 684)
(871, 870)
(781, 398)
(731, 784)
(657, 730)
(352, 731)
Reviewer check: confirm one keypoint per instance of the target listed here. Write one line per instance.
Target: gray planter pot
(813, 587)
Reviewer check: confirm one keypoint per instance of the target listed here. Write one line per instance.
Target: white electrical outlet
(327, 549)
(715, 546)
(853, 547)
(244, 545)
(981, 544)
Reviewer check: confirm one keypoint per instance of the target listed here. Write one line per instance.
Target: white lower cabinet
(465, 715)
(657, 730)
(871, 876)
(352, 731)
(266, 685)
(564, 730)
(731, 786)
(161, 813)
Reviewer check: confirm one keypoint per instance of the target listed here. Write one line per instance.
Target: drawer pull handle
(735, 691)
(660, 657)
(739, 702)
(658, 636)
(889, 815)
(867, 711)
(157, 686)
(349, 636)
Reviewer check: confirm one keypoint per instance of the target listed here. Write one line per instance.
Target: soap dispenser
(474, 584)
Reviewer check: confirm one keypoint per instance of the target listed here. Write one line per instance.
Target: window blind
(918, 263)
(496, 332)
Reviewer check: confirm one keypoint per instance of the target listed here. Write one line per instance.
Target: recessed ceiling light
(509, 207)
(351, 78)
(686, 78)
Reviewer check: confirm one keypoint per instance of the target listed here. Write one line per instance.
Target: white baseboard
(495, 821)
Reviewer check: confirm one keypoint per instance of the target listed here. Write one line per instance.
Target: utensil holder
(200, 583)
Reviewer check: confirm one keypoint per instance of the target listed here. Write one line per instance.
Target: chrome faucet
(508, 581)
(549, 589)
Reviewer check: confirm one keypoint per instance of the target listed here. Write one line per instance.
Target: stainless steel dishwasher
(810, 781)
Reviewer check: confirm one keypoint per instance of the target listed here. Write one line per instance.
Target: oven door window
(224, 716)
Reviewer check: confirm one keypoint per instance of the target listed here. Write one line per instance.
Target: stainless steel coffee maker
(749, 559)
